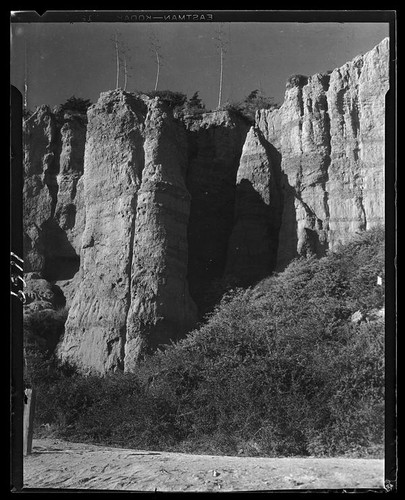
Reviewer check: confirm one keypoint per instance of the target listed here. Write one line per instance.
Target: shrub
(76, 104)
(42, 331)
(191, 107)
(115, 409)
(74, 108)
(278, 369)
(195, 102)
(45, 327)
(297, 81)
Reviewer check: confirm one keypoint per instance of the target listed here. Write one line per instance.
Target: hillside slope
(292, 366)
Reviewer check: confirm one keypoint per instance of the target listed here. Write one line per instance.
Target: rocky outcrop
(69, 213)
(133, 292)
(39, 186)
(53, 165)
(160, 304)
(52, 206)
(356, 176)
(300, 131)
(141, 220)
(95, 330)
(330, 136)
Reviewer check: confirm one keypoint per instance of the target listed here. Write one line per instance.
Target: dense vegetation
(76, 104)
(277, 369)
(42, 331)
(181, 105)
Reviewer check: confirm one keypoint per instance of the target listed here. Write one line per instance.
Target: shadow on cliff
(252, 248)
(61, 260)
(235, 238)
(288, 233)
(285, 218)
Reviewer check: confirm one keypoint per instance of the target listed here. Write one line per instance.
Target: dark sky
(78, 59)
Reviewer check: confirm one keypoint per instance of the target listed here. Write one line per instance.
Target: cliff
(134, 218)
(330, 134)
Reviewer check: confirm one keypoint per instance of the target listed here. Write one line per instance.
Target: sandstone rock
(330, 135)
(62, 233)
(95, 330)
(132, 294)
(39, 139)
(356, 99)
(69, 209)
(299, 130)
(53, 164)
(53, 159)
(161, 307)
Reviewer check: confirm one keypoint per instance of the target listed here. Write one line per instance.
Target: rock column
(161, 308)
(95, 330)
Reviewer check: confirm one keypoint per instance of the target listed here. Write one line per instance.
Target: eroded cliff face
(160, 306)
(135, 220)
(39, 152)
(329, 133)
(95, 330)
(53, 215)
(133, 292)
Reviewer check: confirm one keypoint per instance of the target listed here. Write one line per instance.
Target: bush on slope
(277, 369)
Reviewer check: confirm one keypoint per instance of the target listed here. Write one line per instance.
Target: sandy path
(59, 464)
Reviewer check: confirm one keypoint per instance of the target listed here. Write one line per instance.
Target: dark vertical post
(28, 422)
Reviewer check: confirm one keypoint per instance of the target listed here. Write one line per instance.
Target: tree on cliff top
(254, 101)
(157, 52)
(122, 57)
(221, 45)
(195, 101)
(192, 107)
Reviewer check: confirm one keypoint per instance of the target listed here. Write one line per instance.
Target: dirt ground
(63, 465)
